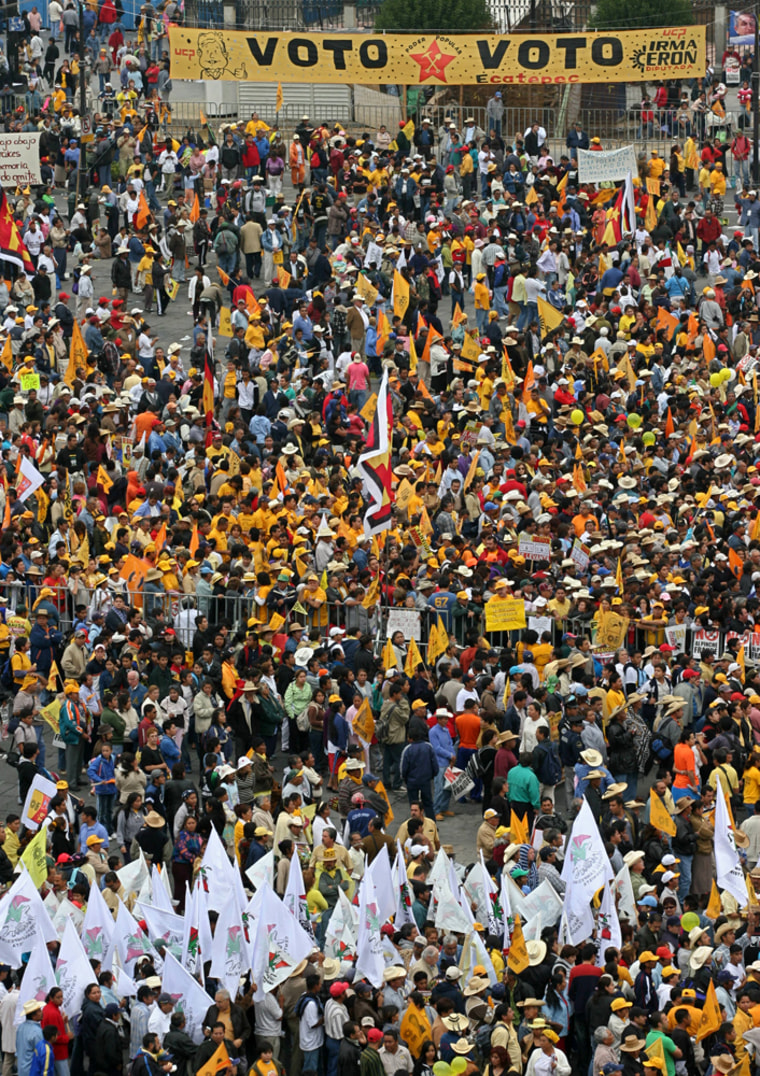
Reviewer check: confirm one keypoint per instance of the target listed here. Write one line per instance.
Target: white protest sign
(676, 636)
(407, 620)
(458, 782)
(606, 166)
(533, 548)
(581, 554)
(19, 159)
(705, 642)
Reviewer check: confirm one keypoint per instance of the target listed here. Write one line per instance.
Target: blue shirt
(99, 830)
(28, 1036)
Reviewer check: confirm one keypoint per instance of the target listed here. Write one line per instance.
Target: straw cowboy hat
(700, 956)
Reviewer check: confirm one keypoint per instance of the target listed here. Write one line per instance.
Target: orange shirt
(468, 727)
(683, 759)
(579, 523)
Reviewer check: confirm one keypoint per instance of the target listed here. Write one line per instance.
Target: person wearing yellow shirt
(485, 391)
(656, 165)
(751, 778)
(723, 772)
(482, 301)
(717, 188)
(627, 322)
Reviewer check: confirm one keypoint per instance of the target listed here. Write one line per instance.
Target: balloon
(634, 421)
(649, 438)
(726, 375)
(458, 1065)
(577, 417)
(689, 920)
(441, 1068)
(715, 379)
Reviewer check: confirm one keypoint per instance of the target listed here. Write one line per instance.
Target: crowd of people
(223, 677)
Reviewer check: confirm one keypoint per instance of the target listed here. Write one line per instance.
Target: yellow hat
(71, 686)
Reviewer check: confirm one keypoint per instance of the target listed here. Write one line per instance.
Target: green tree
(641, 14)
(439, 16)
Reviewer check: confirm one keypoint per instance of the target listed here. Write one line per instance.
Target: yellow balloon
(577, 417)
(725, 375)
(648, 438)
(715, 380)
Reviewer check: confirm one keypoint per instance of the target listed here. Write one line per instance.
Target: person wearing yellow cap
(75, 731)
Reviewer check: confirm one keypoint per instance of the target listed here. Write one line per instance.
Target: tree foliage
(434, 16)
(641, 14)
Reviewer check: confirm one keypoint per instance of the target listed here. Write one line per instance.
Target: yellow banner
(438, 60)
(505, 614)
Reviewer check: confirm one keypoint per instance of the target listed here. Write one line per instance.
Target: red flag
(12, 248)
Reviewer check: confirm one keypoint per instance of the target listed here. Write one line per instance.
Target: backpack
(6, 676)
(662, 749)
(549, 770)
(315, 161)
(303, 1001)
(483, 1040)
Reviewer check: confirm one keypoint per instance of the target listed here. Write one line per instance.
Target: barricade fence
(237, 608)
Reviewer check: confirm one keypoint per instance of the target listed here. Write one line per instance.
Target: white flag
(728, 870)
(585, 870)
(474, 952)
(29, 479)
(159, 884)
(449, 914)
(608, 924)
(379, 871)
(72, 970)
(294, 897)
(626, 901)
(474, 886)
(23, 917)
(222, 879)
(37, 801)
(163, 926)
(229, 959)
(403, 891)
(262, 872)
(131, 941)
(506, 911)
(97, 928)
(340, 936)
(279, 942)
(370, 963)
(189, 996)
(39, 978)
(134, 876)
(123, 986)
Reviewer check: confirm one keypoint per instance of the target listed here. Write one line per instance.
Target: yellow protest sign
(612, 631)
(77, 354)
(415, 1029)
(225, 322)
(30, 382)
(34, 857)
(438, 60)
(505, 614)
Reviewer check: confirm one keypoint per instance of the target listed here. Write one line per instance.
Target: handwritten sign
(19, 159)
(30, 382)
(535, 548)
(505, 614)
(406, 620)
(605, 166)
(581, 554)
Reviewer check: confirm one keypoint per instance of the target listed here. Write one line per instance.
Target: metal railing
(278, 14)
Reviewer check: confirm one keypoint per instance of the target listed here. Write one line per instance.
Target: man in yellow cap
(74, 732)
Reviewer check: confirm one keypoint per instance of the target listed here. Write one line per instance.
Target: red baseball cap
(374, 1035)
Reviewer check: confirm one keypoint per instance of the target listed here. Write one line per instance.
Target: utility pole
(756, 104)
(81, 186)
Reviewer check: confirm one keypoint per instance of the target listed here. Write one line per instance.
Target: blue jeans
(630, 779)
(332, 1046)
(423, 792)
(105, 811)
(442, 796)
(684, 882)
(500, 304)
(311, 1059)
(391, 758)
(41, 744)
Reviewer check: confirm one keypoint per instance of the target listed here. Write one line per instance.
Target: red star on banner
(434, 62)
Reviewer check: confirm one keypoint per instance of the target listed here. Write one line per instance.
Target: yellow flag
(619, 576)
(549, 317)
(518, 959)
(408, 130)
(372, 597)
(51, 714)
(752, 895)
(6, 357)
(218, 1061)
(519, 828)
(507, 689)
(471, 470)
(77, 354)
(52, 684)
(741, 662)
(413, 658)
(426, 527)
(713, 909)
(368, 291)
(711, 1018)
(412, 356)
(34, 857)
(225, 322)
(368, 411)
(364, 722)
(656, 1050)
(278, 102)
(104, 479)
(389, 656)
(659, 817)
(457, 317)
(432, 646)
(470, 348)
(400, 294)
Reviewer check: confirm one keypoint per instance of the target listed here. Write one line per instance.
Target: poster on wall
(741, 27)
